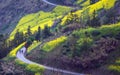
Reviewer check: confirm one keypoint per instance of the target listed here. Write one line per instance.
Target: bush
(18, 62)
(95, 33)
(114, 68)
(117, 36)
(54, 43)
(83, 45)
(83, 41)
(37, 73)
(107, 35)
(35, 68)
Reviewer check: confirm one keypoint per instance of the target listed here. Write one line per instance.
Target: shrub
(54, 43)
(37, 73)
(18, 62)
(118, 36)
(95, 33)
(35, 68)
(114, 68)
(83, 45)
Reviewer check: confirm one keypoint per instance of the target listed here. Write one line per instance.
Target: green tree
(82, 46)
(38, 34)
(29, 31)
(46, 32)
(95, 20)
(18, 38)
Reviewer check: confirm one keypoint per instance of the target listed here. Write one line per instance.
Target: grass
(39, 19)
(35, 68)
(33, 46)
(13, 52)
(54, 43)
(115, 67)
(102, 4)
(83, 3)
(105, 29)
(88, 39)
(113, 30)
(37, 73)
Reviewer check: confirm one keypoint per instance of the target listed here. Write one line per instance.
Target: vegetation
(91, 45)
(83, 3)
(54, 43)
(35, 68)
(39, 19)
(14, 51)
(83, 45)
(33, 46)
(88, 11)
(111, 30)
(94, 34)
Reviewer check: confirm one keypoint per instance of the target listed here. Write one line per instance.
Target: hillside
(75, 37)
(13, 10)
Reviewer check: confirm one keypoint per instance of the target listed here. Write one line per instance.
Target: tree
(38, 34)
(82, 46)
(95, 21)
(46, 32)
(18, 38)
(29, 31)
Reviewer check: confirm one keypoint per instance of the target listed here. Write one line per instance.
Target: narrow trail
(49, 3)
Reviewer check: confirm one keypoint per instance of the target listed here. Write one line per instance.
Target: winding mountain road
(20, 55)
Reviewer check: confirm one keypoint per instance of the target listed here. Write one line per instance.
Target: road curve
(20, 55)
(49, 3)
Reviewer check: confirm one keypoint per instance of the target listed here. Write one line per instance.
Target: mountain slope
(88, 11)
(89, 49)
(39, 19)
(13, 10)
